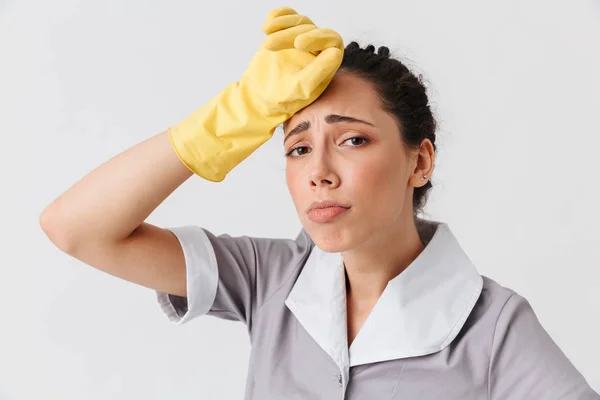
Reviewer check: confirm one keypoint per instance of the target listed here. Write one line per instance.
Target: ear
(424, 162)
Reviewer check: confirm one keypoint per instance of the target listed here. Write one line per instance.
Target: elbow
(56, 231)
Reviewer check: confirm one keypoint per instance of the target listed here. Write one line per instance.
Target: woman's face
(345, 148)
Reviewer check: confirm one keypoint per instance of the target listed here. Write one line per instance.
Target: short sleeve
(231, 277)
(527, 364)
(201, 277)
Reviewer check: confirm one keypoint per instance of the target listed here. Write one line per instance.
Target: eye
(300, 150)
(356, 141)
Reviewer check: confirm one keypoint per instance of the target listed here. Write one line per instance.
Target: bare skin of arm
(100, 219)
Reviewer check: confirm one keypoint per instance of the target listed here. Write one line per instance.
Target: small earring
(423, 178)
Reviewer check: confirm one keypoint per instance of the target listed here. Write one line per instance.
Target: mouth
(326, 211)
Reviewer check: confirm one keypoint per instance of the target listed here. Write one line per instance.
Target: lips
(326, 211)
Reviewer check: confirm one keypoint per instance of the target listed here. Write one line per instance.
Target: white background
(516, 88)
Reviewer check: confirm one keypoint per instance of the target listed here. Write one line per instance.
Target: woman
(369, 301)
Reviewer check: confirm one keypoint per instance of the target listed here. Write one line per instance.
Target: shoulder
(524, 360)
(491, 303)
(280, 260)
(494, 295)
(268, 262)
(496, 307)
(501, 310)
(259, 252)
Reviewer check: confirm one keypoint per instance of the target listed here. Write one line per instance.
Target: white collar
(420, 311)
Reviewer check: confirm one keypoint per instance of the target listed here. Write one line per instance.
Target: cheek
(292, 178)
(376, 180)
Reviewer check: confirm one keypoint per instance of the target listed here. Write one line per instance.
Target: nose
(322, 173)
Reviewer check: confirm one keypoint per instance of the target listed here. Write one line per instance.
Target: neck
(370, 266)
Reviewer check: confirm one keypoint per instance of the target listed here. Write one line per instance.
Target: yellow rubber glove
(293, 66)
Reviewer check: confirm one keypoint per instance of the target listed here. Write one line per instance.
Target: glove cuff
(219, 135)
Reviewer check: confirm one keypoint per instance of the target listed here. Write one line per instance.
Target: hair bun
(383, 51)
(353, 46)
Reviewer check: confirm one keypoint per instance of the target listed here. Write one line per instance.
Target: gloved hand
(293, 66)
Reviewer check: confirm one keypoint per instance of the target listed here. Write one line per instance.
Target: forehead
(346, 86)
(347, 94)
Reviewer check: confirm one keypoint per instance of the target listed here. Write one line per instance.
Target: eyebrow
(330, 119)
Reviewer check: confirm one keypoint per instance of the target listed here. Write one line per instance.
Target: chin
(330, 239)
(330, 247)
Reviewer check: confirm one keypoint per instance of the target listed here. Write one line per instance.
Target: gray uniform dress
(440, 330)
